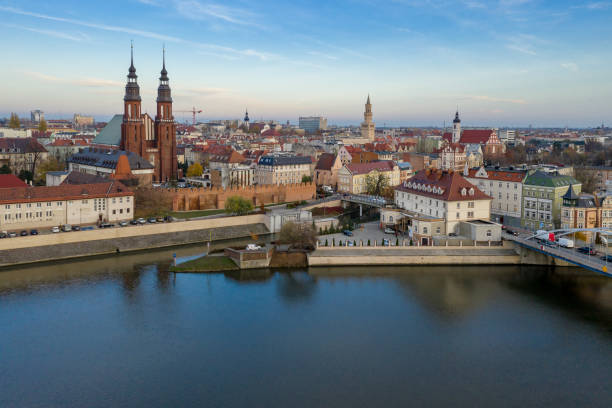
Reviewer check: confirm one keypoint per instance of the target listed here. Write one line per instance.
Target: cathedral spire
(163, 91)
(132, 90)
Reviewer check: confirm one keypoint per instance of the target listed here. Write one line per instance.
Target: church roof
(108, 158)
(111, 133)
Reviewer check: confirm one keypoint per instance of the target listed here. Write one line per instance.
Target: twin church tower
(153, 140)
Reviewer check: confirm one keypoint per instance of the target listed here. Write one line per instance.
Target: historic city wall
(215, 197)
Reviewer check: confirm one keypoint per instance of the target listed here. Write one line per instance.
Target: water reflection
(296, 286)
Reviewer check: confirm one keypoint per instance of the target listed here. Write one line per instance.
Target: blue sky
(504, 63)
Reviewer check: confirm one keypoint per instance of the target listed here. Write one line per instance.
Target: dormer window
(472, 191)
(463, 191)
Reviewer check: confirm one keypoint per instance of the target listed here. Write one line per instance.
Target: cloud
(146, 34)
(86, 82)
(523, 43)
(494, 99)
(196, 10)
(322, 55)
(52, 33)
(570, 66)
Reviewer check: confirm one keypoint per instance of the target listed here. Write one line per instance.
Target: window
(471, 214)
(488, 233)
(8, 206)
(114, 212)
(457, 215)
(424, 230)
(458, 205)
(471, 204)
(38, 204)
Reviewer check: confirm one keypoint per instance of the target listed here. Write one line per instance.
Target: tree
(306, 179)
(238, 205)
(195, 170)
(376, 183)
(298, 235)
(42, 126)
(51, 164)
(14, 122)
(587, 178)
(5, 169)
(149, 202)
(25, 175)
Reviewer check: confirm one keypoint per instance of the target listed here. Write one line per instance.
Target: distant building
(368, 129)
(81, 121)
(21, 154)
(312, 124)
(37, 115)
(580, 210)
(507, 136)
(326, 170)
(282, 169)
(230, 170)
(15, 133)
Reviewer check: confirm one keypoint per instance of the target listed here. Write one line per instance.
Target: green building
(542, 199)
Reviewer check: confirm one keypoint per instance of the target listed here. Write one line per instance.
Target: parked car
(67, 228)
(142, 221)
(252, 247)
(106, 225)
(12, 234)
(159, 219)
(134, 222)
(89, 228)
(123, 223)
(3, 234)
(151, 220)
(76, 228)
(389, 231)
(24, 233)
(385, 242)
(348, 233)
(168, 218)
(34, 232)
(349, 243)
(55, 230)
(587, 250)
(607, 258)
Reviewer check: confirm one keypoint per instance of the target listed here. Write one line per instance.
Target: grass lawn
(194, 214)
(206, 264)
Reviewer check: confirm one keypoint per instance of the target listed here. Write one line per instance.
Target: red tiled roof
(63, 192)
(499, 175)
(480, 136)
(10, 181)
(326, 161)
(364, 168)
(449, 186)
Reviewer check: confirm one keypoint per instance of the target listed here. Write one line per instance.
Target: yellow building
(352, 177)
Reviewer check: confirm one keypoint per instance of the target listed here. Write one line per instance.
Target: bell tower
(132, 128)
(456, 128)
(166, 168)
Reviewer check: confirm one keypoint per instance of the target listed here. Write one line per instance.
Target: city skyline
(505, 63)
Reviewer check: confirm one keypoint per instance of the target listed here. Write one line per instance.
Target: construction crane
(193, 111)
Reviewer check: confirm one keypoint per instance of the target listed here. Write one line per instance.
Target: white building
(505, 186)
(443, 195)
(282, 169)
(75, 204)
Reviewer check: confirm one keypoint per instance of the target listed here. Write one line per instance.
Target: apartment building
(282, 169)
(352, 177)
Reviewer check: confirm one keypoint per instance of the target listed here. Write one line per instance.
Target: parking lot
(367, 231)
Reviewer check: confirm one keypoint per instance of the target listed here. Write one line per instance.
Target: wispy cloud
(204, 11)
(52, 33)
(570, 66)
(523, 43)
(495, 99)
(322, 55)
(146, 34)
(86, 82)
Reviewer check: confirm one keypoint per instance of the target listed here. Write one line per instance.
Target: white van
(566, 243)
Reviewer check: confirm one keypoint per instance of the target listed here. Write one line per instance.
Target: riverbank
(53, 247)
(209, 263)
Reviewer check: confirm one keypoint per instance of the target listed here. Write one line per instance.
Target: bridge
(571, 256)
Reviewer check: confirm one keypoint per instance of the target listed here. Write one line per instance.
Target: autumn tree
(195, 170)
(376, 183)
(42, 126)
(238, 205)
(14, 122)
(298, 235)
(587, 178)
(51, 164)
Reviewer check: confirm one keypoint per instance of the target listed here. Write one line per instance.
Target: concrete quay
(348, 256)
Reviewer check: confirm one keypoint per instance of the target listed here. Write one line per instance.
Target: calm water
(122, 331)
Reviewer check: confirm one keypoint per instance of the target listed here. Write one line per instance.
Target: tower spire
(163, 91)
(132, 90)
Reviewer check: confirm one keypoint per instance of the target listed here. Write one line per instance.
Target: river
(121, 331)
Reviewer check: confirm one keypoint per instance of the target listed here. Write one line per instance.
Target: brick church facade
(152, 139)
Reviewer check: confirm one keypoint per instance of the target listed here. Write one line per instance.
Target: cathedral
(153, 140)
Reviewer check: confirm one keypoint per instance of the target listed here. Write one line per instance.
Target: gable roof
(442, 185)
(326, 161)
(20, 145)
(63, 192)
(11, 181)
(515, 176)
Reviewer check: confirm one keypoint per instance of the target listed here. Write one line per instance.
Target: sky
(501, 62)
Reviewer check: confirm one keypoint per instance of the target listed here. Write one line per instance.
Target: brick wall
(215, 197)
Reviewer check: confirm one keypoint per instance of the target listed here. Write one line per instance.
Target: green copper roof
(542, 179)
(111, 133)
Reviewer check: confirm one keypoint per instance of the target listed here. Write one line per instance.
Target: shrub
(326, 243)
(334, 242)
(238, 205)
(301, 236)
(368, 242)
(396, 241)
